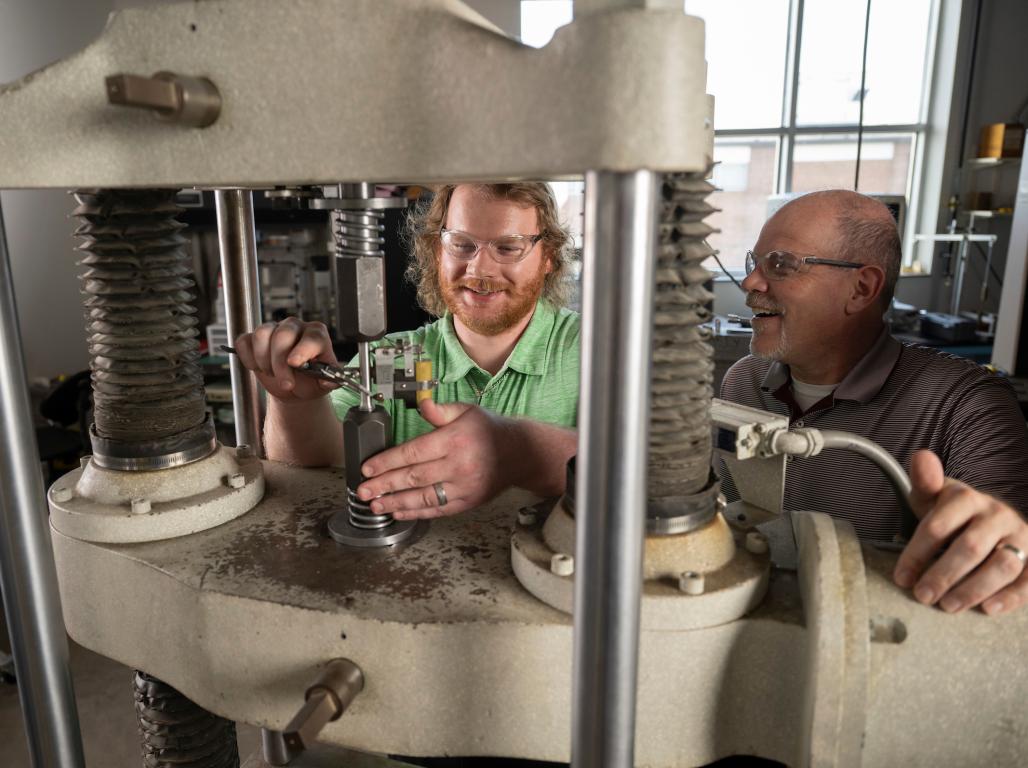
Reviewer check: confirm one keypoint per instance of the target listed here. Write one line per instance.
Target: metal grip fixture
(192, 101)
(325, 701)
(359, 273)
(359, 264)
(149, 404)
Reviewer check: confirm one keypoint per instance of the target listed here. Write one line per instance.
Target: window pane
(745, 173)
(829, 162)
(745, 61)
(541, 18)
(570, 196)
(832, 52)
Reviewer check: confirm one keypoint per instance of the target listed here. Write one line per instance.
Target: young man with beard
(490, 261)
(819, 280)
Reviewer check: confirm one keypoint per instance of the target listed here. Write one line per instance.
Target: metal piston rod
(619, 256)
(29, 579)
(237, 240)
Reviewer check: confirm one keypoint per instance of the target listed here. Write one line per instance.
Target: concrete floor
(103, 690)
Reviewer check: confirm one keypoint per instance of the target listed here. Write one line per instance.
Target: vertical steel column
(613, 424)
(958, 281)
(238, 244)
(27, 570)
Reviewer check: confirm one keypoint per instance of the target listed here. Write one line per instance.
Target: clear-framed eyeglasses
(779, 265)
(509, 249)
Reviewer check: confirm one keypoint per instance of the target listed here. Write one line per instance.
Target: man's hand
(970, 529)
(470, 453)
(300, 426)
(273, 349)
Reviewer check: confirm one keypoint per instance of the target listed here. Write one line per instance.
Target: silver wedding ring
(1018, 552)
(440, 496)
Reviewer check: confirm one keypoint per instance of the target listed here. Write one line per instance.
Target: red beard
(517, 302)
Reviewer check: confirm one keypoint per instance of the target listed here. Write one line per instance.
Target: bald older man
(820, 278)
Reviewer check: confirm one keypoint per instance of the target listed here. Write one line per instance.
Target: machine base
(736, 581)
(120, 507)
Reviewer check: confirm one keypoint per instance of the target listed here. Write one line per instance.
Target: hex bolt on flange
(238, 480)
(562, 565)
(244, 451)
(526, 516)
(140, 506)
(756, 543)
(62, 495)
(691, 583)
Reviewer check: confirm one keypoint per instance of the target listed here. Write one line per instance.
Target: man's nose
(480, 264)
(755, 281)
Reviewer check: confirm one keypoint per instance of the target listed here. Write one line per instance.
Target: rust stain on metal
(295, 550)
(281, 552)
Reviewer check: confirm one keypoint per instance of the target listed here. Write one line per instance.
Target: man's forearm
(304, 432)
(540, 455)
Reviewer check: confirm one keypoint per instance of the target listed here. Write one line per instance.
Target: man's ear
(551, 263)
(866, 288)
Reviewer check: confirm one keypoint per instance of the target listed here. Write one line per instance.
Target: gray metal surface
(617, 330)
(30, 596)
(460, 659)
(833, 583)
(576, 104)
(238, 244)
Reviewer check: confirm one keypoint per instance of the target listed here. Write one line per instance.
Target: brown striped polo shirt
(904, 398)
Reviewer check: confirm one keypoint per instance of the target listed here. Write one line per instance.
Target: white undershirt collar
(806, 394)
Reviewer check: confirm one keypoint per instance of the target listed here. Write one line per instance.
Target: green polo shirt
(539, 380)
